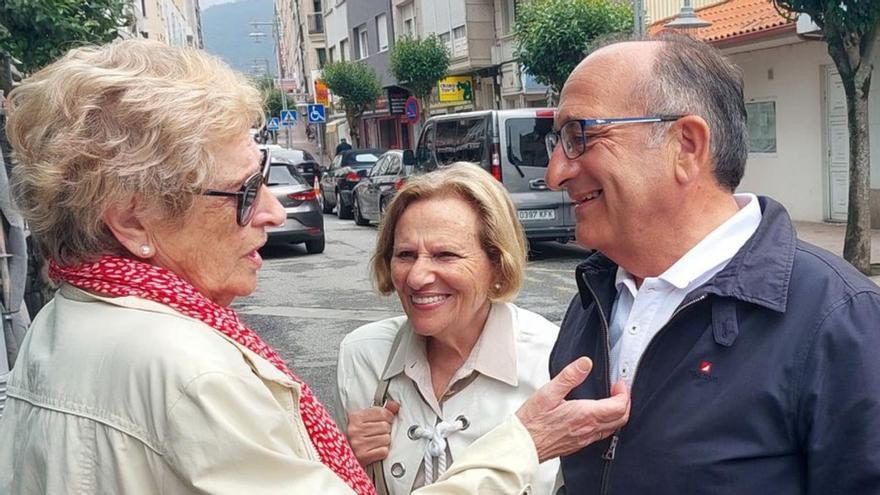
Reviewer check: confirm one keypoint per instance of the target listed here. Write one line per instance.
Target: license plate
(529, 215)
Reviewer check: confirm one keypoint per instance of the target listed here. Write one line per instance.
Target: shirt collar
(493, 355)
(718, 247)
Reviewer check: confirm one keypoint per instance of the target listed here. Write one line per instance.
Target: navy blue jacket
(765, 380)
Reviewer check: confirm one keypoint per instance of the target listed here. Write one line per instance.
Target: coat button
(397, 470)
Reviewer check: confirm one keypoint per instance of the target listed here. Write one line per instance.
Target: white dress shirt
(640, 312)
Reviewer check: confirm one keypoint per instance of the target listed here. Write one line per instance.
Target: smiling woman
(463, 358)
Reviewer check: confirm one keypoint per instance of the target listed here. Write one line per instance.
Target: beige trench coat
(127, 396)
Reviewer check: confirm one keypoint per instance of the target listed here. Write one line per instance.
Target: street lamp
(257, 36)
(687, 20)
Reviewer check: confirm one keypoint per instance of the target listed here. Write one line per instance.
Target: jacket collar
(759, 273)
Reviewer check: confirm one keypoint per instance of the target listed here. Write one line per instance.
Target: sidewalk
(830, 236)
(299, 141)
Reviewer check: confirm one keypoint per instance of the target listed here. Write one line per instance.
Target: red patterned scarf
(118, 276)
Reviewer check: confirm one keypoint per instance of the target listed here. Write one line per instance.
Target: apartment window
(361, 39)
(343, 50)
(382, 31)
(447, 41)
(458, 33)
(316, 5)
(408, 19)
(761, 117)
(508, 15)
(332, 54)
(322, 57)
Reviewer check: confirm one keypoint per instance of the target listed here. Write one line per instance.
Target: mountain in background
(225, 29)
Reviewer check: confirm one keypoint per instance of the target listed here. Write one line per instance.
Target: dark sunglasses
(573, 134)
(248, 194)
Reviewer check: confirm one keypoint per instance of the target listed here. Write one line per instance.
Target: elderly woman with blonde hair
(135, 170)
(463, 357)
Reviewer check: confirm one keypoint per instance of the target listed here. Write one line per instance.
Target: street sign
(288, 118)
(322, 93)
(317, 114)
(274, 124)
(412, 110)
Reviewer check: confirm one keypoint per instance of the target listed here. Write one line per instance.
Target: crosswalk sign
(317, 114)
(288, 118)
(274, 124)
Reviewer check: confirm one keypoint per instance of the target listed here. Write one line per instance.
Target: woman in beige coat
(136, 173)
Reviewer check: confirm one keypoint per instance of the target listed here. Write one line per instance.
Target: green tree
(271, 96)
(418, 64)
(553, 36)
(37, 32)
(357, 85)
(850, 29)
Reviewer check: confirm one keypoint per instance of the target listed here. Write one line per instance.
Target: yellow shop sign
(455, 88)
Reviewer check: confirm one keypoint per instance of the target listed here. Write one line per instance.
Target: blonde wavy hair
(104, 125)
(501, 234)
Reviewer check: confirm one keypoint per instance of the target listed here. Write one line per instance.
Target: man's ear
(124, 221)
(694, 153)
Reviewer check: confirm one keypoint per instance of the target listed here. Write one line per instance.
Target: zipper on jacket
(611, 453)
(608, 456)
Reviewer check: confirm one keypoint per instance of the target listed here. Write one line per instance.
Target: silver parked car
(305, 222)
(509, 144)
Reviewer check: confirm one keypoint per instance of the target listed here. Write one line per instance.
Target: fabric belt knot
(436, 447)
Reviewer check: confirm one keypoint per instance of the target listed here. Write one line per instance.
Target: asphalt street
(305, 304)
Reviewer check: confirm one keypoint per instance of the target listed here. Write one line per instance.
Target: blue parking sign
(317, 114)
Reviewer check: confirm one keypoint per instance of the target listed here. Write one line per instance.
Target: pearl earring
(497, 285)
(146, 250)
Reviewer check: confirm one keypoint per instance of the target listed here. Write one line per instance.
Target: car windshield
(363, 159)
(284, 175)
(294, 156)
(525, 141)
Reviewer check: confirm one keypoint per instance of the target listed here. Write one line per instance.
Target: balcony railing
(316, 23)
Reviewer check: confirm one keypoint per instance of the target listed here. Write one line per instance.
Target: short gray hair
(107, 123)
(691, 77)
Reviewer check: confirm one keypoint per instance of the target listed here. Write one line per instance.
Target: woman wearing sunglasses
(136, 173)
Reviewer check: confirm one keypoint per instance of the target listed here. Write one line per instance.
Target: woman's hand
(369, 431)
(561, 427)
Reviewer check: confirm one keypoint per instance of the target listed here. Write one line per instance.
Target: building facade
(799, 138)
(176, 22)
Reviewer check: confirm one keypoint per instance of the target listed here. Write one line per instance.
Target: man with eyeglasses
(750, 355)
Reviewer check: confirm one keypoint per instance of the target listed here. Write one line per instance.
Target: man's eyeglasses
(573, 134)
(249, 192)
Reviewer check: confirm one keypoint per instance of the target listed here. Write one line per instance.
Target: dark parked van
(509, 144)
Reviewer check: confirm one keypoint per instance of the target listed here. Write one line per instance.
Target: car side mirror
(409, 158)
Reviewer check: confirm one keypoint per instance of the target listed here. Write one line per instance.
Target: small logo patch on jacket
(704, 372)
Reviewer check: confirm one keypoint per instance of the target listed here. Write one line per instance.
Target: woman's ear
(694, 154)
(124, 222)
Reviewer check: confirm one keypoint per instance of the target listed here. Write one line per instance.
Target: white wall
(795, 174)
(336, 27)
(438, 15)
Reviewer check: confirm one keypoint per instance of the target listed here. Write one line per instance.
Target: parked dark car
(377, 189)
(304, 161)
(346, 170)
(305, 222)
